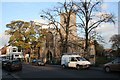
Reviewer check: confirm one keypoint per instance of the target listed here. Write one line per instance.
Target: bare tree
(90, 17)
(88, 13)
(65, 10)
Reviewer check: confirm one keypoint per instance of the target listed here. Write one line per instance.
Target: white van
(75, 61)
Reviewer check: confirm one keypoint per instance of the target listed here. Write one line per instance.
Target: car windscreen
(81, 59)
(117, 60)
(39, 60)
(15, 62)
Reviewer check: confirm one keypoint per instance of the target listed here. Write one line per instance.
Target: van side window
(73, 59)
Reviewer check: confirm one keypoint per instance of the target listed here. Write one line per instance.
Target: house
(11, 52)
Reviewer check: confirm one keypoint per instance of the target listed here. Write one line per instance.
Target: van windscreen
(81, 59)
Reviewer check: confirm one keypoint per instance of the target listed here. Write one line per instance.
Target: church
(50, 50)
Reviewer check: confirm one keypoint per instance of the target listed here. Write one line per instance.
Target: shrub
(101, 61)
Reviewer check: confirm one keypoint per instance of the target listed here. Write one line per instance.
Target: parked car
(13, 65)
(113, 65)
(75, 61)
(38, 62)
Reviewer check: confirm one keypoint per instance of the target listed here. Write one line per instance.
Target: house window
(19, 50)
(16, 55)
(14, 50)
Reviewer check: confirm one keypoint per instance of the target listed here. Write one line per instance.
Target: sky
(28, 10)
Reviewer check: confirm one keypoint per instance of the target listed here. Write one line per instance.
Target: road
(55, 71)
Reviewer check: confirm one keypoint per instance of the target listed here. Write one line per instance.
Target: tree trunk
(38, 52)
(86, 41)
(66, 44)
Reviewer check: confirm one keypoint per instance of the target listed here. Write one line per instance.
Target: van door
(72, 62)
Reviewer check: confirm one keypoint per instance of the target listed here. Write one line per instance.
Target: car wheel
(87, 68)
(63, 66)
(78, 67)
(107, 69)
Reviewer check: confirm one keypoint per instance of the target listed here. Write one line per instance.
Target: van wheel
(87, 68)
(63, 66)
(78, 67)
(107, 69)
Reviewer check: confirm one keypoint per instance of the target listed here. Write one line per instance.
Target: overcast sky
(28, 10)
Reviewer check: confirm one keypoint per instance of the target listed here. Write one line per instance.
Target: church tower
(72, 25)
